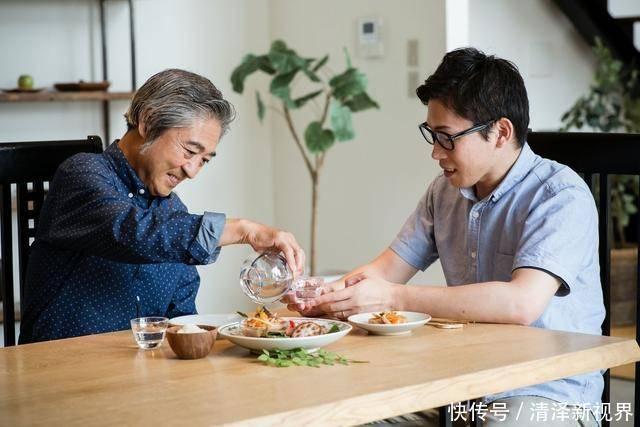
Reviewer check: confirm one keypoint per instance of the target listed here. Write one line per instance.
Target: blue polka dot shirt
(102, 240)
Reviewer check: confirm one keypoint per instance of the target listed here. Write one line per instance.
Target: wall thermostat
(370, 43)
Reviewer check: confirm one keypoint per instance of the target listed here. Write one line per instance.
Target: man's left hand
(362, 294)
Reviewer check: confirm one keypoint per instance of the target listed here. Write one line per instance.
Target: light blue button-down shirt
(543, 216)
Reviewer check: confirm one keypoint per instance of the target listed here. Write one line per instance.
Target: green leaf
(320, 63)
(280, 87)
(299, 102)
(283, 59)
(261, 108)
(341, 121)
(334, 328)
(299, 357)
(318, 139)
(348, 84)
(278, 45)
(248, 66)
(361, 102)
(311, 75)
(264, 64)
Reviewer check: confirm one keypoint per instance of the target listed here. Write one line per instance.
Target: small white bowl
(414, 320)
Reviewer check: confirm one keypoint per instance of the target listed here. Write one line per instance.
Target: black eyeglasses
(444, 139)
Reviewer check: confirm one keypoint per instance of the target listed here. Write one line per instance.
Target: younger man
(516, 234)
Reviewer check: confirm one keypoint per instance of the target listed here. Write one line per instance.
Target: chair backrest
(29, 166)
(598, 155)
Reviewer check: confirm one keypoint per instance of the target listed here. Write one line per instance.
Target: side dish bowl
(414, 320)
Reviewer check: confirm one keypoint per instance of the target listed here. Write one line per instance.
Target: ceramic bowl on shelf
(81, 86)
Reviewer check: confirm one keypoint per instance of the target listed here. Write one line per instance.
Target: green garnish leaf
(299, 357)
(276, 334)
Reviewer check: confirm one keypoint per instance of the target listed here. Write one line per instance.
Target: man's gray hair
(174, 99)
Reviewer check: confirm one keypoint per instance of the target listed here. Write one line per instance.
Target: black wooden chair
(29, 166)
(601, 155)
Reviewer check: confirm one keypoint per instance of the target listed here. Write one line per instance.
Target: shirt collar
(518, 171)
(124, 170)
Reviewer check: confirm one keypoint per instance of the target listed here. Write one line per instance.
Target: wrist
(398, 297)
(235, 231)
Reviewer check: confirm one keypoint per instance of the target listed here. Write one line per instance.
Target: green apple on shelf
(25, 82)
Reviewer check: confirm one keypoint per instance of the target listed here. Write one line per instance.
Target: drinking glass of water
(149, 331)
(307, 288)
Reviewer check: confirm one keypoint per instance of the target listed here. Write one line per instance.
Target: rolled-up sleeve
(415, 243)
(558, 235)
(209, 234)
(87, 213)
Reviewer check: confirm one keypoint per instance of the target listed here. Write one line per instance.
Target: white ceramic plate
(206, 319)
(414, 320)
(233, 333)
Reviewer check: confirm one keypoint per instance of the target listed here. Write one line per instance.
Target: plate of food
(389, 322)
(266, 331)
(216, 320)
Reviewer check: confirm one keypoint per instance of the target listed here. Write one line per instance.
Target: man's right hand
(310, 309)
(264, 238)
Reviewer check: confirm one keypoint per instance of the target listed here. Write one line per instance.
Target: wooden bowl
(192, 346)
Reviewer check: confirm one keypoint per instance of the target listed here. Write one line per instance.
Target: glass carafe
(266, 278)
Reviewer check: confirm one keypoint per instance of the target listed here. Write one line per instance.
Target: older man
(112, 229)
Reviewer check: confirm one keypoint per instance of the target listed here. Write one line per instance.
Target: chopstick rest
(447, 323)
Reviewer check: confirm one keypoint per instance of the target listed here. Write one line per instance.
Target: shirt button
(130, 195)
(141, 191)
(476, 214)
(473, 254)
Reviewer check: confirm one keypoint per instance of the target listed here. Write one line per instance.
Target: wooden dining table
(105, 380)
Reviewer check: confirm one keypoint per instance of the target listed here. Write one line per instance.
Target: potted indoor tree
(338, 96)
(613, 105)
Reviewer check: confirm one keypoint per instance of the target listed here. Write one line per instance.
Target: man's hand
(308, 310)
(361, 294)
(264, 238)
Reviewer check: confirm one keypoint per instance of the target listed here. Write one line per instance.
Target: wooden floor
(624, 371)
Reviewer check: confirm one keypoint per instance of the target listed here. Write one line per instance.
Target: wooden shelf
(48, 96)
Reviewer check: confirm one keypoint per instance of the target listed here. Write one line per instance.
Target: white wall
(371, 184)
(555, 62)
(624, 8)
(205, 36)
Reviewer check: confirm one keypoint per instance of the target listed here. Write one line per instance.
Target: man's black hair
(479, 88)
